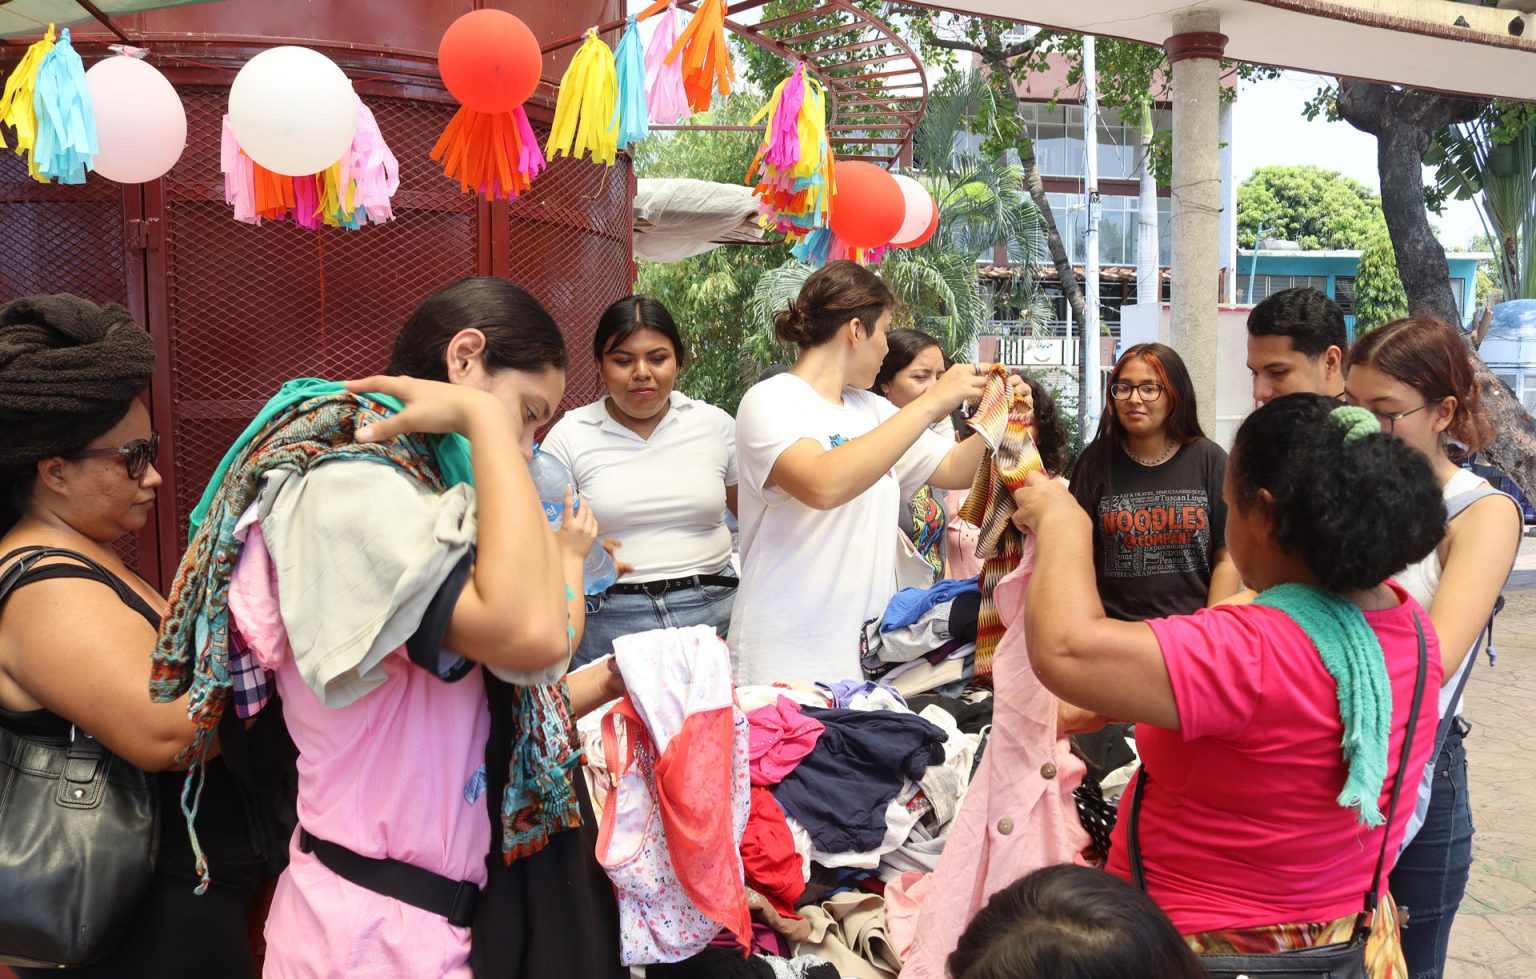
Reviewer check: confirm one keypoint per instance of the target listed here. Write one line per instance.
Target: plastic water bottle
(550, 479)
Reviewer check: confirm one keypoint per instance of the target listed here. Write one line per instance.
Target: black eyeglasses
(137, 455)
(1388, 420)
(1149, 390)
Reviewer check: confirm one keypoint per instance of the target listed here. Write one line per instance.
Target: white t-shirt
(664, 498)
(811, 578)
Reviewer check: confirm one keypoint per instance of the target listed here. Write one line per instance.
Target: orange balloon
(933, 225)
(490, 61)
(867, 206)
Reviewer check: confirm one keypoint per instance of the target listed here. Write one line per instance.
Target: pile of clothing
(926, 639)
(845, 796)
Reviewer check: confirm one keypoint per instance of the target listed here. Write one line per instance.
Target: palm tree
(982, 205)
(1492, 162)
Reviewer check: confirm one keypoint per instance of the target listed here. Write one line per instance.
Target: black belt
(453, 899)
(664, 585)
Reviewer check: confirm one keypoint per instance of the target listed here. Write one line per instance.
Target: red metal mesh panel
(57, 238)
(570, 246)
(252, 306)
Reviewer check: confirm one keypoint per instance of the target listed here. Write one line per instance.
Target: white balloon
(293, 110)
(141, 125)
(919, 209)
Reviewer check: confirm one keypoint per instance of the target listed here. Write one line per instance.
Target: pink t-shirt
(384, 776)
(1240, 827)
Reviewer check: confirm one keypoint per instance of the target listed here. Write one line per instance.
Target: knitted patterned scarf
(298, 432)
(1002, 421)
(1353, 657)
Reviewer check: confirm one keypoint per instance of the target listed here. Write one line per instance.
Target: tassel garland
(496, 154)
(668, 102)
(586, 112)
(16, 109)
(66, 127)
(704, 55)
(630, 112)
(793, 168)
(353, 191)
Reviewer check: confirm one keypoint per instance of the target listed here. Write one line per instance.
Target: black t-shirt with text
(1156, 531)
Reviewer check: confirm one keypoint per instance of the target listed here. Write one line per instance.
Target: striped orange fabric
(1002, 421)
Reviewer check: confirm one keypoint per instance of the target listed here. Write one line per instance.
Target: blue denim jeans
(1431, 874)
(610, 616)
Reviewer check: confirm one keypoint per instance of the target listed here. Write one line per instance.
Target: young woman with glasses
(1151, 481)
(1415, 376)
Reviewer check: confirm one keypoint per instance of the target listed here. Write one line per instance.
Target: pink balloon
(141, 126)
(919, 211)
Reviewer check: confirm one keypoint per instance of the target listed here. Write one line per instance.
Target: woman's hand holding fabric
(431, 407)
(956, 386)
(1042, 500)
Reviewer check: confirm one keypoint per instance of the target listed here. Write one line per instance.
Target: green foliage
(709, 294)
(1314, 207)
(1379, 295)
(1492, 162)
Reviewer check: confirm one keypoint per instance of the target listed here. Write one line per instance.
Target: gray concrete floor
(1495, 932)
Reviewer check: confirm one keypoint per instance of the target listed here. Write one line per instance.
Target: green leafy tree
(1313, 207)
(709, 294)
(1379, 295)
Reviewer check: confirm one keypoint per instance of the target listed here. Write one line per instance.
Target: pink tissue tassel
(666, 98)
(784, 127)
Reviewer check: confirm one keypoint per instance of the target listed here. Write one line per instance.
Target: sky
(1269, 129)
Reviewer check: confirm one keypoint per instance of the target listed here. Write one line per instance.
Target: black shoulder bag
(79, 833)
(1339, 960)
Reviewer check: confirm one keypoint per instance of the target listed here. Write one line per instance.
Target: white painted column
(1195, 51)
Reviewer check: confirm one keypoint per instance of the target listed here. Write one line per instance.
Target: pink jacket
(1018, 814)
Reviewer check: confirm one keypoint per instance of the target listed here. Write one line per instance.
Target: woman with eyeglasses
(1415, 376)
(77, 627)
(1151, 481)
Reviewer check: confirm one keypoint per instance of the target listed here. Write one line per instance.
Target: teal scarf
(1353, 657)
(451, 451)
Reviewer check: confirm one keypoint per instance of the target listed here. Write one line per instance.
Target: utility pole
(1088, 402)
(1149, 279)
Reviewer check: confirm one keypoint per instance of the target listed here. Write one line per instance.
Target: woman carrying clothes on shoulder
(376, 562)
(1415, 376)
(659, 470)
(1259, 832)
(77, 473)
(825, 467)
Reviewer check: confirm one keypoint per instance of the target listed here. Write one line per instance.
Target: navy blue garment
(839, 792)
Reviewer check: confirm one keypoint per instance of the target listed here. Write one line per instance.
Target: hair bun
(789, 323)
(1356, 421)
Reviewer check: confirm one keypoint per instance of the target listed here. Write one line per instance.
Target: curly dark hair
(1050, 431)
(1354, 514)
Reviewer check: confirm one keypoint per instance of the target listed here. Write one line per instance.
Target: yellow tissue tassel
(584, 118)
(16, 103)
